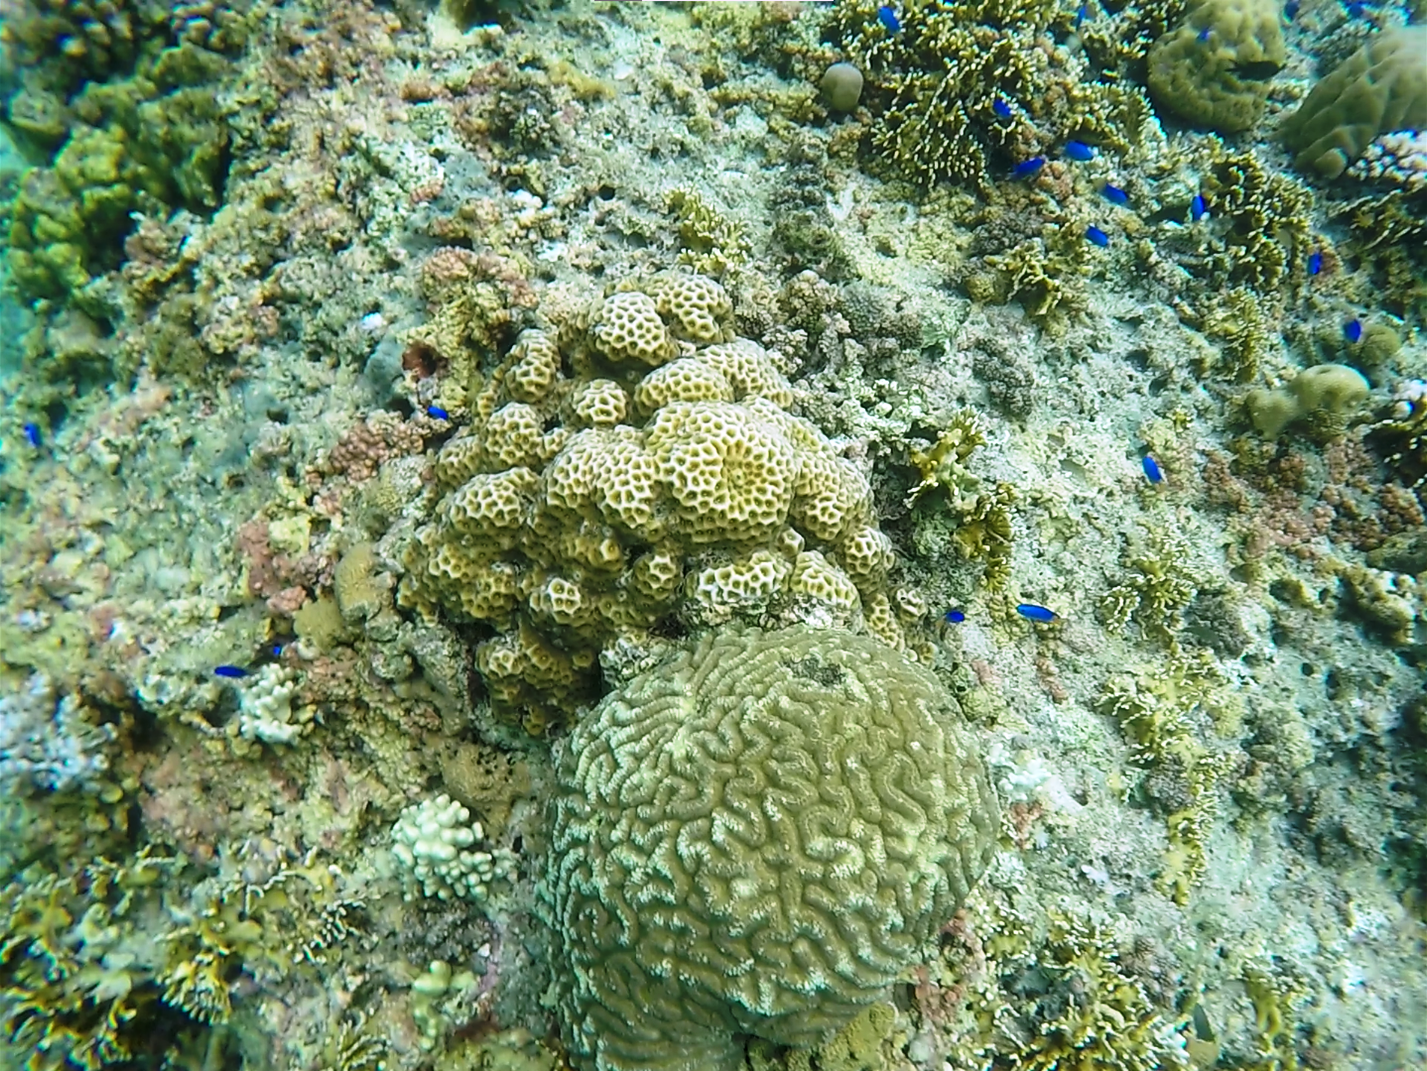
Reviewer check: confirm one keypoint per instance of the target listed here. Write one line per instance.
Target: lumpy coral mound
(755, 838)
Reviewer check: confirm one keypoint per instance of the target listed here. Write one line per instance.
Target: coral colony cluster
(649, 537)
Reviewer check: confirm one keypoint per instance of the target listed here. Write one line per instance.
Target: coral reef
(607, 484)
(668, 878)
(1379, 89)
(1214, 68)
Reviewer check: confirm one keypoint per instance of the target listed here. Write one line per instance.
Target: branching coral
(936, 82)
(1267, 217)
(78, 989)
(982, 513)
(1158, 586)
(711, 242)
(1389, 237)
(1087, 1012)
(1166, 713)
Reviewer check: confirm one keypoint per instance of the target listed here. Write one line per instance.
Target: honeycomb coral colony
(714, 536)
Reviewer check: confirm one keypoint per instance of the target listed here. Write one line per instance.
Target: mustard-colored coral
(692, 800)
(1166, 713)
(1214, 68)
(631, 484)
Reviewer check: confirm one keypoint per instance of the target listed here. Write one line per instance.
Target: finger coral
(755, 838)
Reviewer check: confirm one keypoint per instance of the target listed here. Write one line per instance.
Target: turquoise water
(563, 535)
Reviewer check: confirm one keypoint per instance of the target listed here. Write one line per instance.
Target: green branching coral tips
(755, 838)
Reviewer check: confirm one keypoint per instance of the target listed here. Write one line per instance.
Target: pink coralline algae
(382, 436)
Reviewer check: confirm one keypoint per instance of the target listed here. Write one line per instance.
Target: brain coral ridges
(755, 838)
(635, 463)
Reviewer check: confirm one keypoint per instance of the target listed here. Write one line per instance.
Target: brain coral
(1380, 89)
(619, 471)
(755, 838)
(1214, 69)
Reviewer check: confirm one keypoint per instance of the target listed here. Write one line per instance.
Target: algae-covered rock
(1379, 89)
(1214, 69)
(755, 838)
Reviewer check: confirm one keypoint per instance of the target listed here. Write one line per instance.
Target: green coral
(1158, 586)
(1214, 68)
(150, 142)
(1267, 216)
(1379, 89)
(1389, 238)
(79, 985)
(981, 513)
(933, 85)
(1167, 713)
(1086, 1013)
(726, 857)
(1119, 40)
(710, 242)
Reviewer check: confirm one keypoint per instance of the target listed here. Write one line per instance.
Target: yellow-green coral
(1268, 216)
(1214, 68)
(1158, 586)
(691, 802)
(710, 242)
(1379, 89)
(1107, 1023)
(981, 513)
(934, 83)
(1167, 714)
(78, 989)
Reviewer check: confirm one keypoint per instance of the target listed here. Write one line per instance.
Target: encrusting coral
(726, 856)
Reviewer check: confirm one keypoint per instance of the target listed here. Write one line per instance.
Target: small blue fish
(1204, 34)
(1001, 108)
(1027, 168)
(437, 413)
(1078, 150)
(276, 650)
(1353, 330)
(1080, 15)
(1290, 10)
(1032, 612)
(1356, 10)
(1114, 194)
(32, 435)
(1315, 263)
(1152, 469)
(1197, 208)
(1095, 236)
(888, 18)
(232, 672)
(955, 617)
